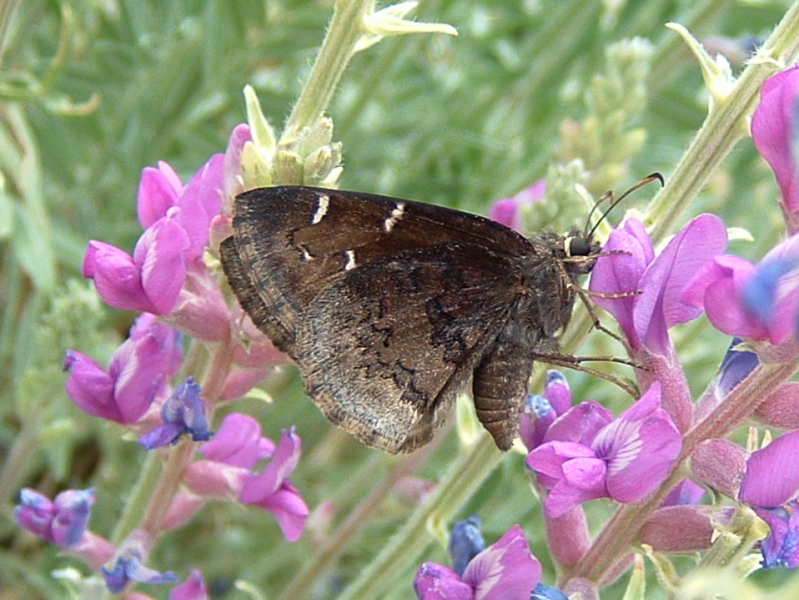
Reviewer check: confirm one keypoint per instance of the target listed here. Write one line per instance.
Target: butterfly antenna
(646, 180)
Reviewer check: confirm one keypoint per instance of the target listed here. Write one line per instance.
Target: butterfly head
(579, 250)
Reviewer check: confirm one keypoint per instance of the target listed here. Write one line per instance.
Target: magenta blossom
(759, 302)
(771, 487)
(505, 570)
(774, 133)
(655, 284)
(626, 459)
(272, 490)
(508, 211)
(176, 222)
(137, 374)
(227, 470)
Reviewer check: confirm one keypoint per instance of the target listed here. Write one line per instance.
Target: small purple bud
(465, 543)
(182, 413)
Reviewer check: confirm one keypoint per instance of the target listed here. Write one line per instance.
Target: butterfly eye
(579, 246)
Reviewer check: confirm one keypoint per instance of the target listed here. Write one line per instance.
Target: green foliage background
(457, 121)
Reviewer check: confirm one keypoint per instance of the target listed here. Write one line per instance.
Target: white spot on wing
(350, 264)
(395, 216)
(321, 209)
(305, 254)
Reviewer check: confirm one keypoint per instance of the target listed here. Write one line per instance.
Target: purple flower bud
(508, 211)
(62, 522)
(781, 408)
(191, 589)
(720, 465)
(774, 133)
(465, 543)
(656, 284)
(182, 413)
(136, 375)
(272, 491)
(684, 528)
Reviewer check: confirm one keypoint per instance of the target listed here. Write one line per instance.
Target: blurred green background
(457, 121)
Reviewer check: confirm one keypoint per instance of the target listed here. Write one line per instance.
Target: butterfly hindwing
(384, 349)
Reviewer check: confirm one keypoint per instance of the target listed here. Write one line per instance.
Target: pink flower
(151, 279)
(504, 570)
(137, 374)
(759, 302)
(774, 133)
(191, 589)
(655, 284)
(508, 211)
(272, 491)
(626, 460)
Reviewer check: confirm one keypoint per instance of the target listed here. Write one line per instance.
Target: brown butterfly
(391, 307)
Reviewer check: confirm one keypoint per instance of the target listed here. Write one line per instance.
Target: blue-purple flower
(182, 413)
(128, 566)
(626, 459)
(504, 570)
(137, 373)
(62, 522)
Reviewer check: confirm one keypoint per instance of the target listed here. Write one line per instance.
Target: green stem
(465, 476)
(334, 55)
